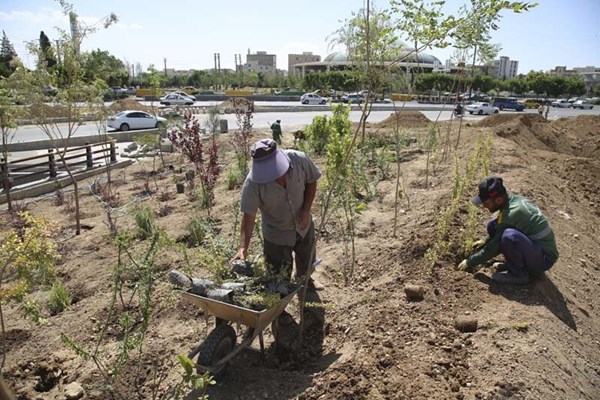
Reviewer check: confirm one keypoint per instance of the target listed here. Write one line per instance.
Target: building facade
(305, 57)
(589, 74)
(261, 62)
(506, 68)
(340, 62)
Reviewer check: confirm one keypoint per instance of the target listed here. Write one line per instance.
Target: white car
(184, 94)
(311, 98)
(582, 104)
(134, 119)
(482, 108)
(176, 99)
(561, 103)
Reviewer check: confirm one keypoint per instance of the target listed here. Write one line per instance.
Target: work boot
(500, 266)
(510, 279)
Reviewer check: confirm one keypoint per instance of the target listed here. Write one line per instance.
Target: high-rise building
(261, 62)
(506, 68)
(305, 57)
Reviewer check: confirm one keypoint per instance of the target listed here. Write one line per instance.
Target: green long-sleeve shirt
(524, 216)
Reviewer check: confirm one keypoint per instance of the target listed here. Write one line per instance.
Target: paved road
(298, 119)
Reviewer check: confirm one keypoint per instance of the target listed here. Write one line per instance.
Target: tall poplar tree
(47, 52)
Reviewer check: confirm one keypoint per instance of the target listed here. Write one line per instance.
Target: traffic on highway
(296, 118)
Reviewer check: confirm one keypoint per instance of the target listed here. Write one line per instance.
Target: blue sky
(188, 33)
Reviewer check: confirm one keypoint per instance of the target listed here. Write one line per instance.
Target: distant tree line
(541, 83)
(101, 65)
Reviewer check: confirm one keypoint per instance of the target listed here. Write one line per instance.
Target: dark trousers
(281, 256)
(522, 255)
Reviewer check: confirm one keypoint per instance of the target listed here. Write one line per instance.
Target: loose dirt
(363, 339)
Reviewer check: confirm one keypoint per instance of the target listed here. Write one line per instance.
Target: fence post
(88, 155)
(51, 163)
(4, 170)
(113, 151)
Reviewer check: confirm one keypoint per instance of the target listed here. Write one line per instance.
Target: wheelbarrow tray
(258, 320)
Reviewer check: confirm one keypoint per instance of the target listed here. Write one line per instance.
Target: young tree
(8, 56)
(8, 130)
(71, 93)
(477, 21)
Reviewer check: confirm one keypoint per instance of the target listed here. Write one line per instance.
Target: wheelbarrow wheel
(219, 343)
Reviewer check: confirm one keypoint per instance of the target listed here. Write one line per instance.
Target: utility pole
(165, 62)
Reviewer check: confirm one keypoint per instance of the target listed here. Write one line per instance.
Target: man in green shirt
(519, 231)
(276, 129)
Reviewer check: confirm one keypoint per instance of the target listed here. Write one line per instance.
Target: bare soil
(366, 340)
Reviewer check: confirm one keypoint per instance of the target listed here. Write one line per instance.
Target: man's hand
(240, 255)
(463, 265)
(303, 219)
(478, 244)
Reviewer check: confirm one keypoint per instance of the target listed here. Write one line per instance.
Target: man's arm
(246, 230)
(310, 191)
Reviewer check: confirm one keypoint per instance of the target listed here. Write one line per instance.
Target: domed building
(340, 61)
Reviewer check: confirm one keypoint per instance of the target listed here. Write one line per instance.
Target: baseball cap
(489, 187)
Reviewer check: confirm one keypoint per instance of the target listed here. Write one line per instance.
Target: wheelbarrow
(219, 347)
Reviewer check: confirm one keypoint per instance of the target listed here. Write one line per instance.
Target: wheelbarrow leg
(262, 345)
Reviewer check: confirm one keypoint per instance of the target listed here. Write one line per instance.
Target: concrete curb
(48, 186)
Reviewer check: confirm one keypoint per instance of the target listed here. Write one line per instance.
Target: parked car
(561, 103)
(352, 98)
(482, 108)
(130, 91)
(582, 104)
(134, 119)
(531, 103)
(325, 92)
(311, 98)
(176, 99)
(189, 90)
(509, 103)
(477, 97)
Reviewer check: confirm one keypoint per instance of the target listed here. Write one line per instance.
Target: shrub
(58, 298)
(318, 133)
(198, 228)
(233, 178)
(144, 220)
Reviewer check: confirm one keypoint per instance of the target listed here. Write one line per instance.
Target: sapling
(189, 141)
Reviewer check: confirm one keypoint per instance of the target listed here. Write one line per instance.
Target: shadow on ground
(287, 369)
(541, 291)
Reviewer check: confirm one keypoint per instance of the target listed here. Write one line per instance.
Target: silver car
(134, 119)
(582, 104)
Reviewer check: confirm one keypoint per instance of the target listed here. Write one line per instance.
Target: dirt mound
(581, 126)
(410, 119)
(127, 104)
(573, 136)
(49, 111)
(502, 119)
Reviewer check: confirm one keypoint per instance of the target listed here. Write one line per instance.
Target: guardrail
(25, 170)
